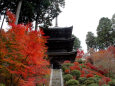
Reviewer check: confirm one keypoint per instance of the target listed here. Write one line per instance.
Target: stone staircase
(56, 77)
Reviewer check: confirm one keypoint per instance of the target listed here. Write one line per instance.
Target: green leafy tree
(90, 40)
(113, 28)
(76, 42)
(41, 11)
(113, 21)
(104, 33)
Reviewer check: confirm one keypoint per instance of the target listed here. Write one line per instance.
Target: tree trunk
(3, 21)
(36, 24)
(18, 11)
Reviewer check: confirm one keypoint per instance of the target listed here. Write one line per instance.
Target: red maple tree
(22, 53)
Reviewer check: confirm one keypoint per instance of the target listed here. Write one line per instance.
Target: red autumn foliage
(72, 68)
(104, 80)
(96, 68)
(101, 82)
(89, 70)
(29, 82)
(111, 49)
(77, 67)
(67, 61)
(67, 71)
(104, 60)
(22, 52)
(82, 75)
(76, 63)
(92, 66)
(80, 54)
(82, 72)
(92, 72)
(89, 75)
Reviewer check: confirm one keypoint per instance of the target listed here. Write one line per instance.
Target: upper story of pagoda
(60, 39)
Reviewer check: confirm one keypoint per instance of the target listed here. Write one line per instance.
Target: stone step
(56, 78)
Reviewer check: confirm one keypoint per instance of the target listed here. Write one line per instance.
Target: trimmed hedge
(72, 82)
(112, 83)
(76, 73)
(67, 77)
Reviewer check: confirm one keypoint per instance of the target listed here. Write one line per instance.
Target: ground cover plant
(83, 73)
(22, 55)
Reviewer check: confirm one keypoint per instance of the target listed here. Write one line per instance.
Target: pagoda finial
(56, 22)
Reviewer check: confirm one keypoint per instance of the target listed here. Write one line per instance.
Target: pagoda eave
(61, 53)
(61, 39)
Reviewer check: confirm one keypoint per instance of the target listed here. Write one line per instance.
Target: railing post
(51, 75)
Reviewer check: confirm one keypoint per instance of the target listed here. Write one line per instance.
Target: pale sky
(84, 15)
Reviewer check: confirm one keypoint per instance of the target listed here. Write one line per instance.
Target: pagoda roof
(58, 32)
(61, 39)
(61, 27)
(62, 53)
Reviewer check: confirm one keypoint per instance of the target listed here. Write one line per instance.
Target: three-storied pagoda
(60, 45)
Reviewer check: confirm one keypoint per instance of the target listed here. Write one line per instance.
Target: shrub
(87, 82)
(76, 73)
(105, 85)
(67, 77)
(112, 83)
(82, 80)
(106, 79)
(76, 63)
(82, 85)
(80, 61)
(67, 71)
(82, 66)
(66, 66)
(113, 76)
(93, 84)
(97, 76)
(67, 61)
(101, 60)
(2, 84)
(72, 82)
(94, 79)
(89, 75)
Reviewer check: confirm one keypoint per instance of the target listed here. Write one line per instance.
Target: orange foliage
(22, 50)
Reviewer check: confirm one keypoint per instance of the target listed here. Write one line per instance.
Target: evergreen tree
(91, 40)
(113, 28)
(76, 42)
(104, 33)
